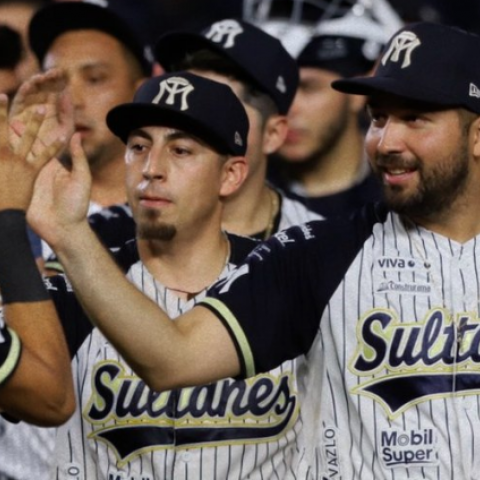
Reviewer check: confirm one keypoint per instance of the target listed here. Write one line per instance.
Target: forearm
(165, 354)
(40, 388)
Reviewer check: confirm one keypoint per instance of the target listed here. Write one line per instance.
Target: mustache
(396, 161)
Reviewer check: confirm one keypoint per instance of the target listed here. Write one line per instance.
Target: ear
(475, 135)
(357, 103)
(235, 171)
(274, 134)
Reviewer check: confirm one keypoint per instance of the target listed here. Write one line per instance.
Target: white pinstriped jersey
(389, 315)
(229, 430)
(25, 459)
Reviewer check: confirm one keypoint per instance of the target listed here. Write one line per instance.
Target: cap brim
(54, 20)
(369, 86)
(124, 119)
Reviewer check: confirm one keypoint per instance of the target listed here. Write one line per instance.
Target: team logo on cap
(176, 91)
(402, 46)
(224, 32)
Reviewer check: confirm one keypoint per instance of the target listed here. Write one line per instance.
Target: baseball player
(36, 384)
(266, 83)
(385, 303)
(186, 138)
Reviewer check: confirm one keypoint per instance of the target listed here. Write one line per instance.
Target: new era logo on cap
(474, 91)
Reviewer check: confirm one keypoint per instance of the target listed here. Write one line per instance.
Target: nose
(390, 138)
(155, 166)
(77, 92)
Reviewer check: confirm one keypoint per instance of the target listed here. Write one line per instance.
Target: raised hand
(61, 196)
(48, 91)
(20, 162)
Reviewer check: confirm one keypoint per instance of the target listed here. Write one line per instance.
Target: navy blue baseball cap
(260, 56)
(428, 62)
(340, 54)
(205, 108)
(53, 20)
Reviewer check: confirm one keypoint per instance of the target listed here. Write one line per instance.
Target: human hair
(208, 60)
(11, 47)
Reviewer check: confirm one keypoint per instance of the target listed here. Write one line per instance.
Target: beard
(150, 227)
(438, 188)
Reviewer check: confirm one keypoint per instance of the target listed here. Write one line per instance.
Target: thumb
(80, 167)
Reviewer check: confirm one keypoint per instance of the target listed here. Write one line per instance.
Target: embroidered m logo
(402, 46)
(174, 91)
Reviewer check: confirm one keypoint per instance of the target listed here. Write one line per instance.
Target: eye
(136, 147)
(377, 118)
(96, 77)
(180, 150)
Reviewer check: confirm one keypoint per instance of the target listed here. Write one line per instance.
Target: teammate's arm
(194, 349)
(36, 382)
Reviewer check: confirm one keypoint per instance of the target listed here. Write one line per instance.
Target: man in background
(17, 14)
(322, 161)
(105, 61)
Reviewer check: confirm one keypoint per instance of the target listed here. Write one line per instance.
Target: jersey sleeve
(261, 302)
(10, 352)
(272, 304)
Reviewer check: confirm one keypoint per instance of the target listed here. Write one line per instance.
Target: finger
(50, 152)
(80, 165)
(36, 90)
(31, 132)
(3, 120)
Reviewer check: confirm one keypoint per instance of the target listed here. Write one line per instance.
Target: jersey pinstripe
(389, 315)
(229, 430)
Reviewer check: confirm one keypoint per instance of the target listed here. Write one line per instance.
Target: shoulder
(240, 247)
(335, 237)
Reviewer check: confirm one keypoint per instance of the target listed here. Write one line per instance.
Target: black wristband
(20, 279)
